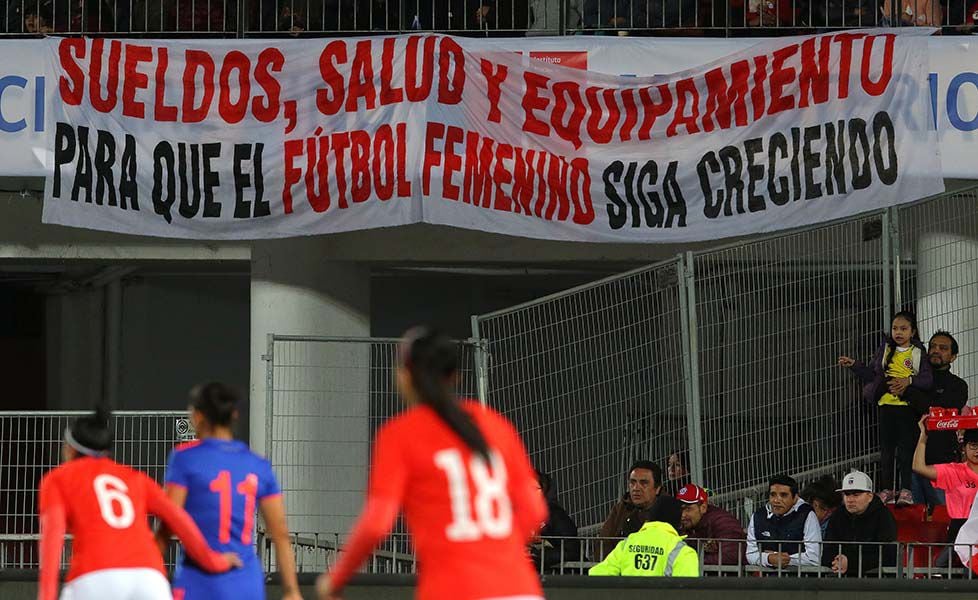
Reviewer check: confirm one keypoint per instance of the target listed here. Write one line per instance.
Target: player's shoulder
(486, 416)
(186, 446)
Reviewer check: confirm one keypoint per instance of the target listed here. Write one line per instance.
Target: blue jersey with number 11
(225, 482)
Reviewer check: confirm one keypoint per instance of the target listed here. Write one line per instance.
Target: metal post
(562, 20)
(885, 264)
(241, 18)
(481, 363)
(894, 234)
(269, 358)
(691, 384)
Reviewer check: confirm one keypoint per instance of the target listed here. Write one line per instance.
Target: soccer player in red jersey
(105, 506)
(462, 477)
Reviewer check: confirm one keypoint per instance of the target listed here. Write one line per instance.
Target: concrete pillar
(947, 294)
(319, 409)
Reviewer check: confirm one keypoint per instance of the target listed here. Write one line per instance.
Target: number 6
(110, 489)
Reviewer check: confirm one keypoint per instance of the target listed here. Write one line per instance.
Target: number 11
(247, 488)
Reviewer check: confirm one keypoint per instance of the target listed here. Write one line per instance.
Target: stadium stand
(694, 352)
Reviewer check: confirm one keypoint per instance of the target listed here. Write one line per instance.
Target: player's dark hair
(650, 466)
(92, 432)
(891, 344)
(947, 334)
(432, 360)
(216, 401)
(785, 480)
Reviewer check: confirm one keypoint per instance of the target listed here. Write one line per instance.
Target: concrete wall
(176, 330)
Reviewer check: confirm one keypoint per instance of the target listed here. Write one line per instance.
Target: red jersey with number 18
(470, 520)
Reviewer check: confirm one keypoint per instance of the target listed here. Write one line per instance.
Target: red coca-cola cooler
(948, 419)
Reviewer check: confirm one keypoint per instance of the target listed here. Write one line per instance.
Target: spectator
(959, 480)
(785, 532)
(864, 519)
(949, 391)
(544, 17)
(677, 472)
(655, 550)
(641, 503)
(824, 498)
(550, 553)
(704, 524)
(920, 13)
(899, 362)
(599, 14)
(668, 14)
(845, 13)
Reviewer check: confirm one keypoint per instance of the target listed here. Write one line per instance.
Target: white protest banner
(258, 139)
(953, 80)
(23, 95)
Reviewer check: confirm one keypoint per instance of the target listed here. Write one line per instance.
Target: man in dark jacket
(864, 518)
(643, 502)
(708, 528)
(948, 391)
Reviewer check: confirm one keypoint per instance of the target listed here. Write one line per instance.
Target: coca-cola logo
(948, 424)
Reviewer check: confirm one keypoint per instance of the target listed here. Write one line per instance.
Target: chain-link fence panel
(593, 380)
(937, 267)
(328, 396)
(30, 446)
(773, 316)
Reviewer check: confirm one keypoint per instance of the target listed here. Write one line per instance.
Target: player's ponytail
(217, 402)
(432, 361)
(91, 435)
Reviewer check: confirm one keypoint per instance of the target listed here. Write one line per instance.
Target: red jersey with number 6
(105, 506)
(470, 521)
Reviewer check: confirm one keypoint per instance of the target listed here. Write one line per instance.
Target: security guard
(655, 550)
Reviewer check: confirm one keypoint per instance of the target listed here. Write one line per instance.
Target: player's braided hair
(432, 360)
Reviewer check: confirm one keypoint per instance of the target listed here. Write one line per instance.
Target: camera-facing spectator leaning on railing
(863, 518)
(710, 529)
(784, 532)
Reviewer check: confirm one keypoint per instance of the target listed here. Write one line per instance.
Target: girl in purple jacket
(900, 362)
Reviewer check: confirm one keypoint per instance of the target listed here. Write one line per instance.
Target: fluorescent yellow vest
(655, 550)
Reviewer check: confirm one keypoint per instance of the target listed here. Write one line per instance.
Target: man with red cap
(710, 528)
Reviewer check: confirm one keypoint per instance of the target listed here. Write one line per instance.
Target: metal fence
(593, 379)
(327, 396)
(318, 552)
(730, 355)
(239, 18)
(30, 445)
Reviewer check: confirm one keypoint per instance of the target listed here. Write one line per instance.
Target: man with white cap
(863, 519)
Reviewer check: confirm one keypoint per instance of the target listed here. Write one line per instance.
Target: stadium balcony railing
(261, 18)
(316, 552)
